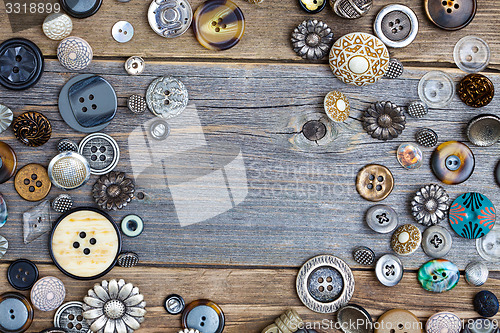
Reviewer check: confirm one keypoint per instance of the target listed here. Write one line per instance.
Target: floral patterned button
(406, 239)
(472, 215)
(337, 106)
(443, 322)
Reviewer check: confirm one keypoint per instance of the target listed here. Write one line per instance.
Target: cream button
(403, 237)
(358, 64)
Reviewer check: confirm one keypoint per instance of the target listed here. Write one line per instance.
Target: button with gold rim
(32, 182)
(374, 182)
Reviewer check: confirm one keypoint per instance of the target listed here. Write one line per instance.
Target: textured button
(472, 215)
(21, 63)
(32, 182)
(101, 151)
(312, 6)
(174, 304)
(22, 274)
(426, 137)
(484, 130)
(438, 275)
(396, 25)
(436, 89)
(81, 8)
(476, 90)
(325, 284)
(16, 313)
(384, 120)
(54, 330)
(430, 205)
(497, 173)
(486, 303)
(159, 129)
(471, 54)
(170, 18)
(32, 129)
(374, 182)
(137, 104)
(451, 14)
(409, 156)
(132, 225)
(70, 317)
(336, 106)
(87, 103)
(481, 325)
(389, 270)
(443, 322)
(476, 273)
(312, 39)
(354, 313)
(359, 59)
(488, 246)
(122, 31)
(135, 65)
(4, 246)
(48, 293)
(287, 322)
(203, 315)
(74, 53)
(394, 70)
(363, 255)
(8, 162)
(128, 259)
(351, 9)
(436, 241)
(62, 203)
(417, 109)
(69, 170)
(167, 97)
(452, 162)
(382, 218)
(67, 145)
(6, 117)
(406, 239)
(218, 24)
(57, 26)
(113, 191)
(398, 321)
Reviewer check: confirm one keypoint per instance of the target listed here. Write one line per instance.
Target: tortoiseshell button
(312, 6)
(374, 182)
(472, 215)
(32, 182)
(8, 162)
(203, 315)
(32, 129)
(450, 14)
(218, 24)
(476, 90)
(452, 162)
(16, 313)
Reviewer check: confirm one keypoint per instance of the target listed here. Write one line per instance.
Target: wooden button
(32, 182)
(406, 239)
(32, 129)
(8, 162)
(450, 14)
(398, 321)
(476, 90)
(452, 162)
(374, 182)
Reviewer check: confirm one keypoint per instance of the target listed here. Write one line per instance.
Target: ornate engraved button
(374, 182)
(137, 104)
(451, 14)
(74, 53)
(203, 315)
(382, 218)
(436, 89)
(8, 161)
(484, 130)
(101, 151)
(476, 90)
(443, 322)
(363, 255)
(472, 215)
(18, 313)
(32, 128)
(452, 162)
(399, 321)
(48, 293)
(170, 18)
(312, 6)
(426, 137)
(21, 63)
(6, 117)
(476, 273)
(430, 205)
(471, 54)
(122, 31)
(70, 317)
(389, 270)
(336, 106)
(351, 9)
(486, 303)
(384, 120)
(438, 275)
(406, 239)
(394, 70)
(409, 156)
(113, 190)
(57, 26)
(69, 170)
(167, 97)
(32, 182)
(396, 25)
(135, 65)
(312, 39)
(436, 241)
(488, 246)
(4, 246)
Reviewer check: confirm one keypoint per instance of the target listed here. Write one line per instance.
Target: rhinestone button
(436, 89)
(374, 182)
(476, 90)
(21, 64)
(167, 97)
(170, 18)
(452, 162)
(471, 54)
(32, 182)
(398, 321)
(436, 241)
(472, 215)
(426, 137)
(394, 70)
(57, 26)
(406, 239)
(396, 25)
(101, 151)
(451, 14)
(134, 65)
(74, 53)
(382, 219)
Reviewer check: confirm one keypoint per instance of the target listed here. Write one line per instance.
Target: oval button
(21, 63)
(438, 275)
(406, 239)
(203, 315)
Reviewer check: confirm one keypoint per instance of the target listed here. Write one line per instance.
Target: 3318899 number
(32, 8)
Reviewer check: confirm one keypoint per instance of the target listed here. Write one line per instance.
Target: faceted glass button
(396, 25)
(16, 313)
(389, 270)
(312, 6)
(436, 89)
(450, 14)
(81, 8)
(484, 130)
(476, 90)
(382, 219)
(409, 156)
(471, 54)
(21, 63)
(452, 162)
(488, 246)
(472, 215)
(203, 315)
(438, 275)
(436, 241)
(8, 162)
(374, 182)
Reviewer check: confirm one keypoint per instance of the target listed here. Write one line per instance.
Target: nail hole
(78, 326)
(401, 326)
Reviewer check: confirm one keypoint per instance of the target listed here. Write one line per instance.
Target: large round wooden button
(16, 313)
(476, 90)
(32, 129)
(452, 162)
(32, 182)
(374, 182)
(85, 243)
(406, 239)
(8, 162)
(398, 321)
(203, 315)
(450, 14)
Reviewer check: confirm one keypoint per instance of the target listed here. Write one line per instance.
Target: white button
(358, 64)
(122, 31)
(471, 54)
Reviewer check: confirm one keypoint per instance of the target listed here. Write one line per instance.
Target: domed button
(389, 270)
(32, 129)
(174, 304)
(374, 182)
(476, 90)
(363, 255)
(452, 162)
(336, 106)
(430, 205)
(488, 246)
(101, 151)
(382, 219)
(70, 314)
(394, 70)
(203, 315)
(426, 137)
(312, 6)
(32, 182)
(69, 170)
(74, 53)
(443, 322)
(396, 25)
(48, 293)
(22, 274)
(438, 275)
(486, 303)
(57, 26)
(21, 63)
(122, 31)
(450, 14)
(472, 215)
(81, 8)
(476, 273)
(354, 313)
(16, 313)
(436, 241)
(409, 156)
(170, 18)
(8, 162)
(384, 120)
(484, 130)
(398, 321)
(471, 54)
(406, 239)
(436, 89)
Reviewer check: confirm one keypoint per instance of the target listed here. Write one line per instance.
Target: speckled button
(22, 274)
(438, 275)
(389, 270)
(101, 151)
(21, 63)
(85, 243)
(486, 303)
(203, 315)
(48, 293)
(16, 313)
(406, 239)
(312, 6)
(32, 182)
(488, 246)
(382, 218)
(374, 182)
(336, 106)
(436, 241)
(452, 162)
(471, 54)
(472, 215)
(8, 162)
(74, 53)
(398, 321)
(450, 14)
(476, 90)
(409, 156)
(81, 8)
(57, 26)
(442, 322)
(436, 89)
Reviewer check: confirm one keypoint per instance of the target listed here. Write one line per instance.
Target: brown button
(476, 90)
(32, 182)
(8, 162)
(398, 321)
(450, 14)
(406, 239)
(32, 128)
(374, 182)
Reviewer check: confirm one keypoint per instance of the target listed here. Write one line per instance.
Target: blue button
(16, 314)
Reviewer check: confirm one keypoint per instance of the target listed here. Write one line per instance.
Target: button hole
(91, 97)
(370, 186)
(94, 106)
(84, 109)
(82, 99)
(19, 58)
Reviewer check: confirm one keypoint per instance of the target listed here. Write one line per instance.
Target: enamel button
(336, 106)
(472, 215)
(406, 239)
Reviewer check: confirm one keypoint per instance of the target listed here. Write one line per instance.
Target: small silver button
(363, 255)
(137, 104)
(417, 109)
(394, 69)
(389, 270)
(135, 65)
(122, 31)
(70, 317)
(170, 18)
(426, 137)
(436, 241)
(69, 170)
(101, 151)
(174, 304)
(476, 273)
(396, 25)
(167, 97)
(382, 218)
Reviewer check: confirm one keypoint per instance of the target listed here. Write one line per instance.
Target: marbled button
(472, 215)
(436, 241)
(476, 273)
(336, 106)
(374, 182)
(406, 239)
(438, 275)
(8, 162)
(81, 8)
(203, 315)
(32, 182)
(396, 25)
(488, 246)
(452, 162)
(102, 152)
(74, 53)
(398, 321)
(484, 130)
(389, 270)
(476, 90)
(21, 63)
(48, 293)
(471, 54)
(382, 218)
(16, 313)
(22, 274)
(409, 156)
(436, 89)
(443, 322)
(57, 26)
(312, 6)
(450, 14)
(486, 303)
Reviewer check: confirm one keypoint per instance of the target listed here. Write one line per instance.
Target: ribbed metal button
(382, 218)
(389, 270)
(476, 273)
(484, 130)
(436, 241)
(396, 25)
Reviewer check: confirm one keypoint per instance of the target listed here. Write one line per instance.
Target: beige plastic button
(398, 321)
(406, 239)
(374, 182)
(57, 26)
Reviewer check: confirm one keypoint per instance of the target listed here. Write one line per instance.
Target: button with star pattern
(406, 239)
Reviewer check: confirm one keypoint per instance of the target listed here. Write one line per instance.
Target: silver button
(66, 145)
(127, 259)
(6, 117)
(426, 137)
(137, 104)
(174, 304)
(476, 273)
(389, 270)
(70, 317)
(484, 130)
(62, 203)
(436, 241)
(69, 170)
(382, 218)
(4, 246)
(159, 129)
(471, 54)
(396, 25)
(170, 18)
(436, 89)
(101, 151)
(135, 65)
(167, 97)
(363, 255)
(350, 9)
(488, 246)
(122, 31)
(417, 109)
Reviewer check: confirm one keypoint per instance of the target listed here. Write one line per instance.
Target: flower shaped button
(312, 39)
(430, 205)
(443, 322)
(472, 215)
(452, 162)
(384, 120)
(476, 90)
(336, 106)
(113, 191)
(406, 239)
(409, 156)
(438, 275)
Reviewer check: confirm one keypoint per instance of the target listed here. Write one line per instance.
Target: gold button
(406, 239)
(32, 182)
(374, 182)
(398, 321)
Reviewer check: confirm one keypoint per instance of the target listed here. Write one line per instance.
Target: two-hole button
(203, 315)
(16, 313)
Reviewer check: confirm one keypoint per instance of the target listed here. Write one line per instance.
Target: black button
(81, 8)
(22, 274)
(21, 63)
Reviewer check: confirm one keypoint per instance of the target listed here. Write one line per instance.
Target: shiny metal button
(22, 274)
(113, 190)
(203, 315)
(48, 293)
(476, 273)
(167, 97)
(436, 241)
(476, 90)
(374, 182)
(16, 313)
(488, 246)
(436, 89)
(132, 225)
(396, 25)
(62, 203)
(389, 270)
(174, 304)
(395, 69)
(430, 205)
(417, 109)
(57, 26)
(382, 218)
(409, 156)
(69, 170)
(471, 54)
(451, 14)
(354, 313)
(336, 106)
(406, 239)
(426, 137)
(452, 162)
(137, 104)
(32, 182)
(363, 255)
(135, 65)
(122, 31)
(312, 39)
(159, 129)
(74, 53)
(398, 321)
(21, 64)
(484, 130)
(443, 322)
(6, 117)
(170, 18)
(67, 145)
(351, 9)
(128, 259)
(4, 246)
(32, 128)
(101, 151)
(70, 317)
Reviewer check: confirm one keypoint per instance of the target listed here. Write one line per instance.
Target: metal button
(21, 63)
(476, 273)
(438, 275)
(312, 6)
(450, 14)
(132, 225)
(203, 315)
(484, 130)
(6, 117)
(22, 274)
(69, 170)
(67, 145)
(16, 313)
(167, 97)
(382, 218)
(113, 190)
(488, 246)
(174, 304)
(74, 53)
(406, 239)
(159, 129)
(472, 215)
(101, 151)
(486, 303)
(32, 129)
(48, 293)
(389, 270)
(312, 39)
(81, 9)
(32, 182)
(4, 246)
(443, 322)
(363, 255)
(409, 156)
(122, 31)
(471, 54)
(476, 90)
(436, 241)
(398, 321)
(395, 69)
(135, 65)
(62, 203)
(351, 9)
(325, 284)
(396, 25)
(128, 259)
(384, 120)
(353, 313)
(70, 317)
(417, 109)
(170, 18)
(452, 162)
(436, 89)
(57, 26)
(430, 205)
(8, 161)
(374, 182)
(54, 330)
(426, 137)
(336, 106)
(137, 104)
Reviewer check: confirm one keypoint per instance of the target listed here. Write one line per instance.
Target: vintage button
(74, 53)
(398, 321)
(472, 215)
(481, 325)
(451, 14)
(396, 25)
(87, 103)
(218, 24)
(32, 129)
(389, 270)
(128, 259)
(135, 65)
(484, 130)
(101, 151)
(4, 246)
(476, 273)
(497, 173)
(287, 322)
(137, 104)
(436, 241)
(443, 322)
(359, 59)
(426, 137)
(170, 18)
(69, 170)
(174, 304)
(354, 313)
(452, 162)
(159, 129)
(312, 6)
(395, 69)
(351, 9)
(85, 243)
(70, 317)
(312, 39)
(16, 313)
(471, 54)
(3, 211)
(67, 145)
(22, 274)
(486, 303)
(167, 97)
(21, 63)
(438, 275)
(36, 221)
(48, 293)
(8, 162)
(203, 315)
(132, 225)
(406, 239)
(363, 255)
(488, 247)
(384, 120)
(113, 191)
(336, 106)
(187, 330)
(476, 90)
(430, 205)
(417, 109)
(81, 9)
(374, 182)
(409, 156)
(382, 218)
(6, 117)
(325, 284)
(32, 182)
(54, 330)
(57, 26)
(436, 89)
(62, 203)
(122, 31)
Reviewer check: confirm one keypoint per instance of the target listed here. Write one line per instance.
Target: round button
(336, 106)
(122, 31)
(8, 162)
(484, 130)
(137, 104)
(472, 215)
(128, 259)
(218, 24)
(409, 156)
(398, 321)
(486, 303)
(430, 205)
(85, 243)
(81, 9)
(70, 317)
(167, 97)
(476, 90)
(16, 313)
(476, 273)
(481, 325)
(21, 63)
(436, 89)
(170, 18)
(132, 225)
(384, 120)
(443, 322)
(452, 162)
(48, 293)
(135, 65)
(6, 117)
(359, 59)
(113, 190)
(394, 70)
(471, 54)
(382, 218)
(57, 26)
(363, 255)
(22, 274)
(101, 151)
(396, 25)
(417, 109)
(62, 203)
(436, 241)
(203, 315)
(32, 129)
(497, 173)
(451, 14)
(69, 170)
(389, 270)
(174, 304)
(312, 39)
(312, 6)
(74, 53)
(354, 313)
(426, 137)
(438, 275)
(374, 182)
(488, 246)
(351, 9)
(32, 182)
(4, 246)
(406, 239)
(66, 145)
(159, 129)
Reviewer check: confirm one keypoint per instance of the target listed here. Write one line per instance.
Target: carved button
(32, 182)
(57, 26)
(452, 162)
(170, 18)
(398, 321)
(438, 275)
(389, 270)
(174, 304)
(471, 54)
(476, 90)
(484, 130)
(101, 151)
(436, 89)
(351, 9)
(21, 63)
(203, 315)
(69, 170)
(436, 241)
(486, 303)
(406, 239)
(132, 225)
(374, 182)
(6, 117)
(443, 322)
(409, 156)
(22, 274)
(336, 106)
(81, 9)
(396, 25)
(16, 313)
(135, 65)
(8, 162)
(312, 6)
(48, 293)
(167, 97)
(488, 246)
(382, 218)
(472, 215)
(74, 53)
(32, 129)
(70, 317)
(450, 14)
